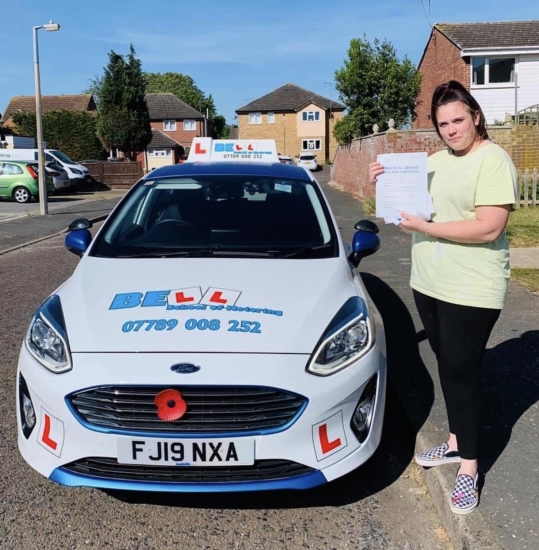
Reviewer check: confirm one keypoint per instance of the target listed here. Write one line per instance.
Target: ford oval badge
(185, 368)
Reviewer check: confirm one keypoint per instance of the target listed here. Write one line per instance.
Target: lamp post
(43, 206)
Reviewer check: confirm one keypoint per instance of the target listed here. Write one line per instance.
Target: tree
(375, 86)
(124, 121)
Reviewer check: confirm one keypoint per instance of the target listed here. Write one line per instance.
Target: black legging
(458, 335)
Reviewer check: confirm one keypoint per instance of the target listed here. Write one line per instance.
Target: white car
(308, 161)
(215, 336)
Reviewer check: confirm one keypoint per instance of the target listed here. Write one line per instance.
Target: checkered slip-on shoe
(437, 456)
(465, 495)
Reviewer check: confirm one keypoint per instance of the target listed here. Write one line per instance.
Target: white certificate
(403, 187)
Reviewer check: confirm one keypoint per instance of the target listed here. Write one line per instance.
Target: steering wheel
(180, 223)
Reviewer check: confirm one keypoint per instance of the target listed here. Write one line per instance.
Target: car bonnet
(203, 304)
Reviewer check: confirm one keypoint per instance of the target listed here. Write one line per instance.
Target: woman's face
(457, 126)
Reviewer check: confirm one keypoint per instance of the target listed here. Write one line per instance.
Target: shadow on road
(390, 460)
(511, 388)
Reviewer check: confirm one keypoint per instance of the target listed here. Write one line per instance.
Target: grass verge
(523, 228)
(528, 277)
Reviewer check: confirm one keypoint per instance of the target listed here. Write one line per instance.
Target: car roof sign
(232, 150)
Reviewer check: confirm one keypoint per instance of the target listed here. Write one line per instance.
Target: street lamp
(43, 206)
(330, 84)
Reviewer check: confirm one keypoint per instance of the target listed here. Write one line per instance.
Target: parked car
(285, 159)
(77, 174)
(60, 177)
(215, 336)
(19, 180)
(308, 160)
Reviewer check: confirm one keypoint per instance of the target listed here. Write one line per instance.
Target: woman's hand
(413, 223)
(375, 170)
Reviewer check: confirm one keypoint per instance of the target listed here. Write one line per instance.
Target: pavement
(524, 257)
(25, 228)
(507, 517)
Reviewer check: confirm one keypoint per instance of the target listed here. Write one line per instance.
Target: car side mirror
(365, 241)
(79, 237)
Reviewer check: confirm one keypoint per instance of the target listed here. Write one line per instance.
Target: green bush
(369, 206)
(72, 132)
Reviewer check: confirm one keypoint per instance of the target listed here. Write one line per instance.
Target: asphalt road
(382, 505)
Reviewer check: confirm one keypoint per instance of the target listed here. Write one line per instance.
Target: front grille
(261, 470)
(236, 409)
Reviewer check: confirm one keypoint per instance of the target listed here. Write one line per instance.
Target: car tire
(22, 195)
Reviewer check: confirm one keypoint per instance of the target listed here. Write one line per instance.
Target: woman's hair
(454, 91)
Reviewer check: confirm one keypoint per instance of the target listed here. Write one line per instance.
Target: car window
(10, 169)
(306, 157)
(62, 156)
(264, 214)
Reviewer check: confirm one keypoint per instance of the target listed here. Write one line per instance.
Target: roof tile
(170, 107)
(503, 34)
(289, 98)
(80, 102)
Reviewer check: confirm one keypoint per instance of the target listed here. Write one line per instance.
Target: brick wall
(183, 137)
(350, 169)
(441, 62)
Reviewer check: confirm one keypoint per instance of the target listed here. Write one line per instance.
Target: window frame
(170, 122)
(153, 150)
(305, 116)
(191, 125)
(306, 141)
(487, 83)
(271, 117)
(257, 116)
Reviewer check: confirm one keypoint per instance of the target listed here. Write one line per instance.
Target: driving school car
(215, 336)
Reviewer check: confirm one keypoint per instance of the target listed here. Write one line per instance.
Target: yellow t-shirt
(465, 274)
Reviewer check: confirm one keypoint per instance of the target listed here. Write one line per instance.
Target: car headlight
(350, 335)
(46, 338)
(75, 171)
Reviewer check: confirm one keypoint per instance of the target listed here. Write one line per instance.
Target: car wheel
(22, 195)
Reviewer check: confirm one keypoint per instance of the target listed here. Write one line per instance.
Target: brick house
(80, 102)
(297, 119)
(174, 125)
(498, 62)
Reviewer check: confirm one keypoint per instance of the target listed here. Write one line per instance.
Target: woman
(460, 269)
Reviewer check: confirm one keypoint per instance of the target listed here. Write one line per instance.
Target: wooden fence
(527, 195)
(116, 175)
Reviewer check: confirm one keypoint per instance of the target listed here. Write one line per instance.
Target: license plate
(186, 452)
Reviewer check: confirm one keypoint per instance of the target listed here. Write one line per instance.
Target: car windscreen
(63, 157)
(234, 215)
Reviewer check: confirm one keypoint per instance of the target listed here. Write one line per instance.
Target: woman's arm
(486, 227)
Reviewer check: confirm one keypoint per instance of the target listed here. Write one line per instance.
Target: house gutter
(503, 50)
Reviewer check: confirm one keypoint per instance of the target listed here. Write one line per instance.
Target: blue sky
(236, 50)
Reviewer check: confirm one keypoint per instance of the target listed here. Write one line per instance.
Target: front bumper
(59, 439)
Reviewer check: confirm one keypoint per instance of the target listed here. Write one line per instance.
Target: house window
(311, 144)
(169, 125)
(271, 118)
(493, 70)
(255, 118)
(189, 125)
(160, 152)
(310, 116)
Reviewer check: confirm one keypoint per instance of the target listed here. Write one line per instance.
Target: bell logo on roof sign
(235, 150)
(234, 147)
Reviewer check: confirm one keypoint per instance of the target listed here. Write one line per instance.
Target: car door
(9, 175)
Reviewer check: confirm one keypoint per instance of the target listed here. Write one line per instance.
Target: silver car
(59, 176)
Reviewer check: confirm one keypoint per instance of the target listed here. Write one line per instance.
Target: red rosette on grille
(170, 405)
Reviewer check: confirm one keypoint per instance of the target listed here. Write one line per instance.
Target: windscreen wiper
(305, 250)
(200, 252)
